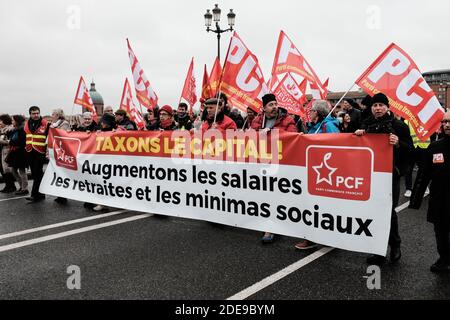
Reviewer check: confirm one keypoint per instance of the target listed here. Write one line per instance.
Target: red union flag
(206, 88)
(289, 59)
(289, 96)
(127, 104)
(83, 99)
(189, 87)
(144, 91)
(214, 78)
(396, 75)
(243, 81)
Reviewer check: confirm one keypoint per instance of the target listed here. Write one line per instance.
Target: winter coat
(329, 125)
(17, 154)
(4, 146)
(223, 123)
(283, 122)
(436, 168)
(389, 124)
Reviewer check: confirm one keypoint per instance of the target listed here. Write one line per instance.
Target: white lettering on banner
(430, 109)
(286, 49)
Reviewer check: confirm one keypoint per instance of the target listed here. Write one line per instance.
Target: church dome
(96, 97)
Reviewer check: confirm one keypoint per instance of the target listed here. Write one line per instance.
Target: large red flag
(396, 75)
(189, 87)
(83, 99)
(144, 91)
(214, 77)
(126, 103)
(289, 59)
(243, 81)
(206, 88)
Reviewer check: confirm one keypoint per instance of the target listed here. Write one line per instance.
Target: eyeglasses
(445, 121)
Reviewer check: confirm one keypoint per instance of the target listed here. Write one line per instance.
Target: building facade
(439, 82)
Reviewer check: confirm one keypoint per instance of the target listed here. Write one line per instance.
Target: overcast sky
(43, 51)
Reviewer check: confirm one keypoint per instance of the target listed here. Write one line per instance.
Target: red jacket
(225, 124)
(282, 123)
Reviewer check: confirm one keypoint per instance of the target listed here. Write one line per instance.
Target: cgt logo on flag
(65, 151)
(332, 172)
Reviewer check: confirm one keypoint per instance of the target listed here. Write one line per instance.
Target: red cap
(167, 109)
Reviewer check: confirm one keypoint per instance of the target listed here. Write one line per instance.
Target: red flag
(325, 84)
(144, 91)
(243, 81)
(396, 75)
(289, 59)
(189, 88)
(206, 88)
(83, 99)
(285, 98)
(126, 103)
(214, 77)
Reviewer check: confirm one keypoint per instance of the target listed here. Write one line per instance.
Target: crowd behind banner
(24, 145)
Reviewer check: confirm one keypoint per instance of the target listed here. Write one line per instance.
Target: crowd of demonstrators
(23, 144)
(436, 168)
(383, 121)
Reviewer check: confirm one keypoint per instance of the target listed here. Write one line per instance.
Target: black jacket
(184, 123)
(388, 124)
(355, 119)
(436, 169)
(127, 124)
(92, 127)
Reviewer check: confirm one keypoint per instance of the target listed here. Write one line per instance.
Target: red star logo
(324, 171)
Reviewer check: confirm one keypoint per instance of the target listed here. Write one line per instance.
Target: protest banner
(304, 186)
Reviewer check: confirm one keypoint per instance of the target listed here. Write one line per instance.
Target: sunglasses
(445, 121)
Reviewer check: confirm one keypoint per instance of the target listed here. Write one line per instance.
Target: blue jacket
(329, 125)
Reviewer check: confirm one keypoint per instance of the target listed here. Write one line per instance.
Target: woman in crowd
(17, 154)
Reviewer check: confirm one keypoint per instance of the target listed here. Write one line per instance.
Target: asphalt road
(171, 258)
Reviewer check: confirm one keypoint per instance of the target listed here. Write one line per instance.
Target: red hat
(167, 109)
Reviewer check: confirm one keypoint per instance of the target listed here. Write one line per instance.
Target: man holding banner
(383, 121)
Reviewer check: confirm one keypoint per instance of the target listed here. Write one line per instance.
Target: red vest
(36, 140)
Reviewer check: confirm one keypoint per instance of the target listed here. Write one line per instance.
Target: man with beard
(123, 121)
(436, 168)
(382, 121)
(272, 117)
(36, 129)
(182, 120)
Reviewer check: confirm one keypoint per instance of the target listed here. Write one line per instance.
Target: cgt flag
(206, 88)
(189, 88)
(144, 91)
(83, 99)
(396, 75)
(127, 104)
(243, 81)
(214, 78)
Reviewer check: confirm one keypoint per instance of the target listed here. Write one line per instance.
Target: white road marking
(71, 232)
(60, 224)
(15, 198)
(244, 294)
(280, 274)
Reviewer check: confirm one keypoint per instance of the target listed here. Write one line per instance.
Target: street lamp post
(215, 16)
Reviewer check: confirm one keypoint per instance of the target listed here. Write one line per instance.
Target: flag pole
(337, 103)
